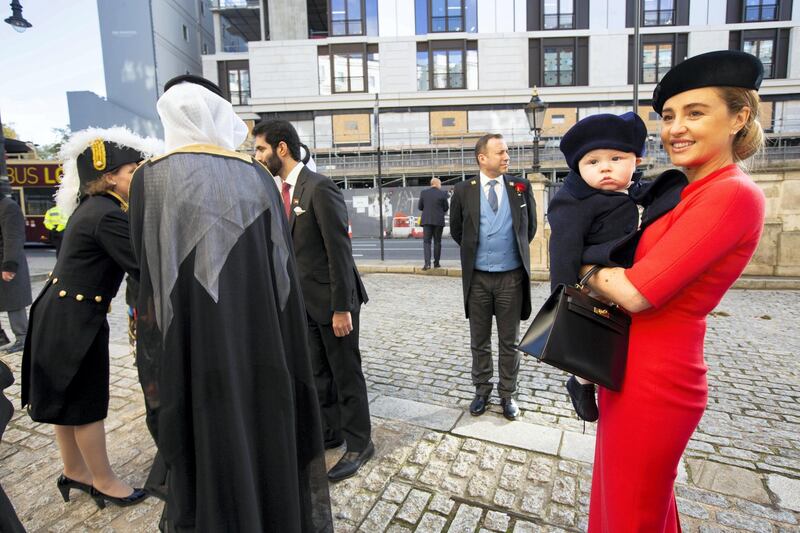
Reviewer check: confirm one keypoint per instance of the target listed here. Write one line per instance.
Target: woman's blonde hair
(750, 139)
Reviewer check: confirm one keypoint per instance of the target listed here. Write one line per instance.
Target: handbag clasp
(602, 312)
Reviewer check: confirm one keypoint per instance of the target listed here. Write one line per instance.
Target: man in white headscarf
(221, 344)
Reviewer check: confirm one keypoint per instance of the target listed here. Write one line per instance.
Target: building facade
(145, 43)
(443, 72)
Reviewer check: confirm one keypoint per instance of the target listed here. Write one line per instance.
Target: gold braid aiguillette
(99, 154)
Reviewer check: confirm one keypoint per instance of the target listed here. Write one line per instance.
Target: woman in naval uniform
(65, 367)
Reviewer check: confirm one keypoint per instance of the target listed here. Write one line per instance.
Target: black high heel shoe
(137, 496)
(64, 484)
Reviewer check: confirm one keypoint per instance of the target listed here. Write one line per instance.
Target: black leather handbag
(580, 334)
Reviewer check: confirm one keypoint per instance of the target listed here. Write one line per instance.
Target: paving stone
(464, 464)
(490, 458)
(511, 476)
(481, 485)
(526, 527)
(561, 515)
(787, 490)
(533, 501)
(396, 492)
(495, 428)
(418, 413)
(431, 523)
(517, 456)
(441, 503)
(448, 447)
(379, 517)
(741, 521)
(763, 511)
(577, 446)
(693, 509)
(466, 519)
(495, 521)
(540, 470)
(412, 509)
(422, 453)
(472, 445)
(504, 498)
(730, 480)
(564, 490)
(569, 467)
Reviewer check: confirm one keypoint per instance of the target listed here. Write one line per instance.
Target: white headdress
(191, 114)
(68, 192)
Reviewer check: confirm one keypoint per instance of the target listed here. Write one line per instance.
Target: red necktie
(287, 201)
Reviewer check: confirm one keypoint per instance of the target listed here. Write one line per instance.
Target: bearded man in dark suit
(493, 220)
(332, 291)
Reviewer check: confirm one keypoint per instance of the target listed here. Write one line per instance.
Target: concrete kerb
(745, 282)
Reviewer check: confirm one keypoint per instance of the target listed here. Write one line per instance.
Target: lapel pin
(296, 201)
(473, 182)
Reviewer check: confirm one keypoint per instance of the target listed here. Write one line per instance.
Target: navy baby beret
(723, 68)
(197, 80)
(625, 132)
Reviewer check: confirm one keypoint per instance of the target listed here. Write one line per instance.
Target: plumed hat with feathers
(93, 152)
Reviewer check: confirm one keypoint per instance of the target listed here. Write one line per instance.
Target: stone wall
(778, 254)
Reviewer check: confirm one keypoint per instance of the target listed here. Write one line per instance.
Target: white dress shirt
(499, 189)
(291, 179)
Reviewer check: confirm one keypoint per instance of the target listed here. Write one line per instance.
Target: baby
(594, 217)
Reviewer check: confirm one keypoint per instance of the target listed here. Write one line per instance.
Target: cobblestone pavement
(741, 471)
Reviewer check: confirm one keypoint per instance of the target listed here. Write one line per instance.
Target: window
(558, 62)
(763, 49)
(559, 66)
(441, 16)
(185, 33)
(771, 46)
(234, 80)
(658, 13)
(202, 7)
(348, 68)
(239, 86)
(38, 200)
(760, 10)
(558, 14)
(334, 18)
(447, 65)
(347, 17)
(656, 61)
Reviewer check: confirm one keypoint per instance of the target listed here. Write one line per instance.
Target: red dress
(684, 264)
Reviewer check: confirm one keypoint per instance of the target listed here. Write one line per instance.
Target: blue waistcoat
(497, 244)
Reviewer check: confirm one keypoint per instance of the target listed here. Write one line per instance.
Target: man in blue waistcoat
(493, 220)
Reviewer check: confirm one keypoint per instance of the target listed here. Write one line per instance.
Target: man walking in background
(332, 291)
(433, 204)
(15, 286)
(493, 220)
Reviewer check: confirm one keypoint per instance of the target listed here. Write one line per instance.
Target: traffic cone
(349, 230)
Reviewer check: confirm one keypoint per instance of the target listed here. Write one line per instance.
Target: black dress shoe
(510, 409)
(333, 444)
(478, 405)
(137, 496)
(437, 265)
(64, 484)
(426, 267)
(583, 401)
(17, 346)
(350, 462)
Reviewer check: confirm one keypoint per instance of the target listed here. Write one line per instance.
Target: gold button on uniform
(79, 297)
(61, 294)
(55, 280)
(98, 299)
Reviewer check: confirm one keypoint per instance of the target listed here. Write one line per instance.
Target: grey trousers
(19, 323)
(496, 294)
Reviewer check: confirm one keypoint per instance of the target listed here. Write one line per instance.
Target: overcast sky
(60, 53)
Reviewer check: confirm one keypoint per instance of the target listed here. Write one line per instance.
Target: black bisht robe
(9, 523)
(221, 347)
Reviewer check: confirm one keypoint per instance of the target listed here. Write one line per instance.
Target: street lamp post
(535, 111)
(18, 22)
(380, 178)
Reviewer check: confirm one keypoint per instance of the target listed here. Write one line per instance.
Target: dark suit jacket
(433, 204)
(592, 226)
(465, 217)
(318, 222)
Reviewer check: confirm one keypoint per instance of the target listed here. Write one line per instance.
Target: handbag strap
(582, 283)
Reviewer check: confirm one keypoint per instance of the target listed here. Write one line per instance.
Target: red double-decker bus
(33, 185)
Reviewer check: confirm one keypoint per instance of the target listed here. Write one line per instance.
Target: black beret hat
(197, 80)
(625, 132)
(102, 157)
(723, 68)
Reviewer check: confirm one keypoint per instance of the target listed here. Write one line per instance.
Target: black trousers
(497, 294)
(341, 388)
(435, 232)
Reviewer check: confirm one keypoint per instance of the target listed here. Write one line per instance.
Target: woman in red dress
(684, 264)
